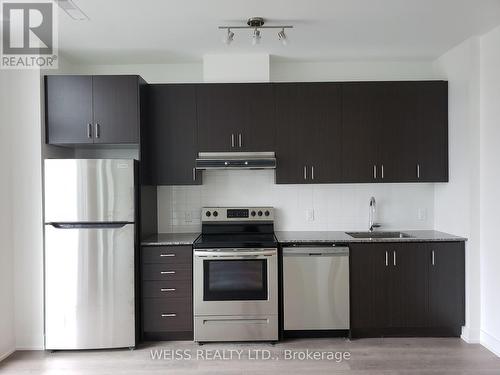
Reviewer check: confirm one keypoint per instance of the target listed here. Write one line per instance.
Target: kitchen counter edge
(291, 237)
(170, 239)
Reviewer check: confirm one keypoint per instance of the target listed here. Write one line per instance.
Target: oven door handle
(233, 255)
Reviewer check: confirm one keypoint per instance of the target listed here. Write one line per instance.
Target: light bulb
(282, 37)
(256, 37)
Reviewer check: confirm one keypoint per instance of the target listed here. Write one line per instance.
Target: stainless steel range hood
(235, 160)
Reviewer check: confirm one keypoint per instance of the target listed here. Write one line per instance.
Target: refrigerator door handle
(113, 225)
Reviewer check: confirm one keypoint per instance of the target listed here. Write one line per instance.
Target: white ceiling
(160, 31)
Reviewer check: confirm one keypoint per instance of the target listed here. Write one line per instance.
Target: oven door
(235, 282)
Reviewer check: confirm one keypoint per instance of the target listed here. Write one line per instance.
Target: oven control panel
(220, 214)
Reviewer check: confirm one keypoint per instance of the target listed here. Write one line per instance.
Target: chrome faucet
(371, 215)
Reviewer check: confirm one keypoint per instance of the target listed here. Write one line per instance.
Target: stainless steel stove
(236, 275)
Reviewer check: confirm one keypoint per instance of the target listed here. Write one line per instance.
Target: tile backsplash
(298, 207)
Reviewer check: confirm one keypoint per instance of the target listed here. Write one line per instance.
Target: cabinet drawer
(172, 314)
(165, 272)
(167, 254)
(167, 289)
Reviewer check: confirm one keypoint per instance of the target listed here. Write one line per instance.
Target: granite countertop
(170, 239)
(342, 237)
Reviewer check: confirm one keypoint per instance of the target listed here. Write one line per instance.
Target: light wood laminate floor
(367, 356)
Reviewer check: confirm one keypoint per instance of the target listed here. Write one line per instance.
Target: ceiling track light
(256, 24)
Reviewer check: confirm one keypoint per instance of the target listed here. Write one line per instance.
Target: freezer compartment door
(89, 287)
(84, 190)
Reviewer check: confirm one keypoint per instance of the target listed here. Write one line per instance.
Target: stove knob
(208, 214)
(216, 214)
(252, 213)
(259, 213)
(267, 213)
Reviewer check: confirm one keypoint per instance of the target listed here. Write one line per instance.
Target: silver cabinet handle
(394, 258)
(382, 171)
(312, 172)
(374, 172)
(305, 172)
(89, 130)
(418, 170)
(168, 315)
(167, 289)
(232, 140)
(97, 130)
(167, 272)
(167, 255)
(194, 174)
(386, 258)
(240, 140)
(433, 258)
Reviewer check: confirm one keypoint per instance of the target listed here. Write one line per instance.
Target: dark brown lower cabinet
(407, 289)
(167, 293)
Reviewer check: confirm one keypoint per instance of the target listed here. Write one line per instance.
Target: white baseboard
(5, 355)
(490, 342)
(471, 335)
(30, 348)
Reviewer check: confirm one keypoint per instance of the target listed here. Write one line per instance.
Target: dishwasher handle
(315, 251)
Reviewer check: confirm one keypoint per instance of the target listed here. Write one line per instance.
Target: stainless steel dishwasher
(316, 288)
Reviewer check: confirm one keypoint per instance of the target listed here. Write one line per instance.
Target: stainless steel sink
(378, 235)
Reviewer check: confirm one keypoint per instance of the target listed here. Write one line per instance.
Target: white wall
(27, 212)
(7, 322)
(236, 67)
(335, 207)
(22, 312)
(351, 71)
(457, 202)
(152, 73)
(490, 189)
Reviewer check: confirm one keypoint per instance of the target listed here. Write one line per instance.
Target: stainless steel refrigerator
(89, 253)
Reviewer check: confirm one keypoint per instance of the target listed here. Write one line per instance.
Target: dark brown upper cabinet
(235, 117)
(68, 109)
(432, 132)
(308, 133)
(92, 109)
(407, 289)
(169, 137)
(394, 131)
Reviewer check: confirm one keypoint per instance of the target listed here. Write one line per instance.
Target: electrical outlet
(422, 214)
(188, 217)
(310, 215)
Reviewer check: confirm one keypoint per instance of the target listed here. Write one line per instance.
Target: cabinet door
(397, 138)
(361, 118)
(292, 146)
(221, 116)
(325, 132)
(369, 280)
(308, 133)
(172, 134)
(116, 109)
(68, 109)
(432, 131)
(259, 126)
(408, 285)
(446, 284)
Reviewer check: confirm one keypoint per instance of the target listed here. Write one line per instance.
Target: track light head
(256, 37)
(282, 37)
(229, 37)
